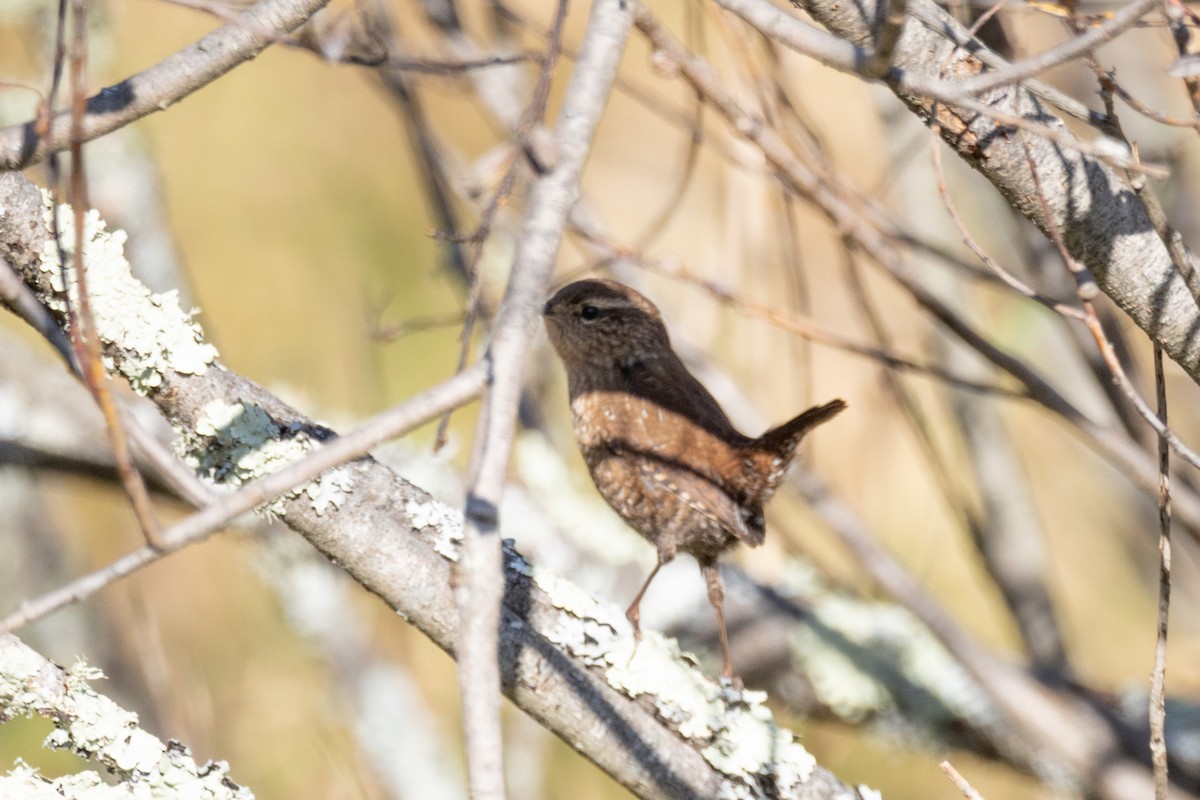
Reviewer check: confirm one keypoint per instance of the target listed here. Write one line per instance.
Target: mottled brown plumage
(658, 446)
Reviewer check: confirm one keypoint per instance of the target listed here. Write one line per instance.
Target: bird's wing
(675, 481)
(665, 382)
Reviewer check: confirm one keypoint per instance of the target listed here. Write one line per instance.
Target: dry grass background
(291, 194)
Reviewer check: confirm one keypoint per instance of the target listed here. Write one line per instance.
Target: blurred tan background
(301, 226)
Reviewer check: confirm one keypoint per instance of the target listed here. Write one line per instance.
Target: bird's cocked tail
(772, 452)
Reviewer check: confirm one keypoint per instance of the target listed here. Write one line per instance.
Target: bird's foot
(732, 688)
(633, 651)
(637, 637)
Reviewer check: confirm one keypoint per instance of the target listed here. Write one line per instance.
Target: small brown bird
(658, 446)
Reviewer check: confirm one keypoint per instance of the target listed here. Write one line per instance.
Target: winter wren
(658, 446)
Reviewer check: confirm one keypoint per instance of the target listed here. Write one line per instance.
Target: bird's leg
(716, 596)
(633, 613)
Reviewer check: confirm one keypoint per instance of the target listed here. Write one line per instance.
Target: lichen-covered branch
(657, 725)
(1102, 222)
(94, 727)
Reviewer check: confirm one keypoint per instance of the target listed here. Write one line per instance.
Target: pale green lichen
(841, 675)
(586, 629)
(152, 334)
(735, 731)
(97, 729)
(445, 521)
(235, 443)
(850, 692)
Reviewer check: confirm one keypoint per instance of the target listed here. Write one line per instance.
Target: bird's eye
(589, 313)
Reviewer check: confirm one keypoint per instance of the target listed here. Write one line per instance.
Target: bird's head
(599, 321)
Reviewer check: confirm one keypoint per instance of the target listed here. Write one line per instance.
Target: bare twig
(1087, 292)
(1009, 536)
(398, 330)
(891, 26)
(1067, 51)
(1109, 83)
(84, 340)
(1158, 680)
(1010, 280)
(694, 126)
(910, 408)
(1181, 32)
(846, 57)
(551, 200)
(959, 781)
(434, 66)
(813, 331)
(427, 405)
(528, 135)
(428, 157)
(167, 82)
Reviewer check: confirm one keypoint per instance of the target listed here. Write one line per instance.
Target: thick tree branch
(94, 727)
(656, 725)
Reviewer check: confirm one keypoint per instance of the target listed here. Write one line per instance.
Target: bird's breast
(616, 421)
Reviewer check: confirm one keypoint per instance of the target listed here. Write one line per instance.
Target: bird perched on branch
(658, 446)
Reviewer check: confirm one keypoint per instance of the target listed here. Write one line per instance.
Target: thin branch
(422, 408)
(1069, 50)
(960, 782)
(1087, 292)
(846, 57)
(434, 66)
(694, 127)
(1177, 15)
(82, 325)
(156, 88)
(1010, 280)
(529, 137)
(1158, 679)
(1109, 83)
(879, 63)
(1009, 525)
(406, 327)
(813, 331)
(551, 200)
(427, 151)
(911, 410)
